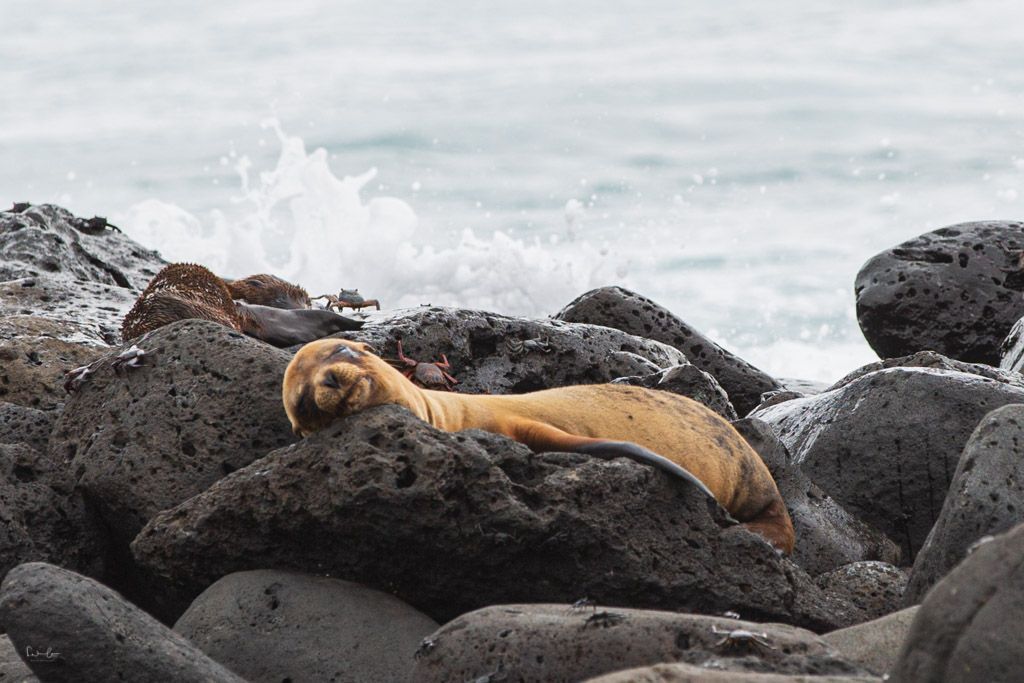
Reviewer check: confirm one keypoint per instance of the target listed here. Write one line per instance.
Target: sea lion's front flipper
(287, 327)
(543, 437)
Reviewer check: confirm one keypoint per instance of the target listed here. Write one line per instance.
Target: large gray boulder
(986, 497)
(956, 290)
(875, 587)
(827, 536)
(204, 402)
(690, 673)
(630, 312)
(557, 643)
(74, 629)
(874, 644)
(486, 357)
(271, 626)
(454, 522)
(885, 445)
(967, 627)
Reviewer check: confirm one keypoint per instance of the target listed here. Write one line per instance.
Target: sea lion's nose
(331, 380)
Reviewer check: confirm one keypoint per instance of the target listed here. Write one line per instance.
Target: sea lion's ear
(366, 348)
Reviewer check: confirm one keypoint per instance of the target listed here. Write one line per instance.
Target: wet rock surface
(204, 402)
(491, 353)
(986, 498)
(967, 627)
(553, 643)
(875, 587)
(827, 536)
(56, 266)
(630, 312)
(274, 626)
(81, 630)
(956, 290)
(391, 500)
(931, 359)
(875, 644)
(885, 445)
(687, 380)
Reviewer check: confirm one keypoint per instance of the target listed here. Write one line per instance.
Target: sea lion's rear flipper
(543, 437)
(288, 327)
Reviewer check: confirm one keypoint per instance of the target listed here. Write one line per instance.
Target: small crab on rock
(741, 639)
(426, 375)
(348, 298)
(129, 359)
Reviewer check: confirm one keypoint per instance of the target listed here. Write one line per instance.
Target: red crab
(427, 375)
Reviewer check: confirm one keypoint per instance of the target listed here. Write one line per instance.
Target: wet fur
(185, 290)
(331, 378)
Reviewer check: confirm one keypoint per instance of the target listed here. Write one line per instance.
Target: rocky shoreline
(161, 522)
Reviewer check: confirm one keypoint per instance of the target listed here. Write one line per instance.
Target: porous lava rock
(281, 626)
(687, 380)
(886, 444)
(875, 587)
(874, 644)
(80, 630)
(986, 498)
(40, 517)
(485, 354)
(204, 402)
(827, 536)
(559, 644)
(931, 359)
(451, 522)
(20, 424)
(630, 312)
(967, 627)
(35, 355)
(61, 267)
(956, 290)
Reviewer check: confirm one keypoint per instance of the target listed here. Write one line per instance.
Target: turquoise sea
(735, 161)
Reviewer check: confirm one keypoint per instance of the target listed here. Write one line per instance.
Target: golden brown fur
(331, 378)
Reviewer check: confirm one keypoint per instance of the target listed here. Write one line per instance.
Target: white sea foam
(301, 222)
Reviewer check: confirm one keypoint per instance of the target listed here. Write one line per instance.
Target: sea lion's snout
(325, 380)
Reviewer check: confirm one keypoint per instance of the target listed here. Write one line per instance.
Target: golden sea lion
(331, 378)
(186, 290)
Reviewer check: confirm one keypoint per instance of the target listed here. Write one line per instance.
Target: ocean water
(737, 162)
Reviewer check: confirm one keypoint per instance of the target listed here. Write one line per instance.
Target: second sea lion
(331, 378)
(186, 290)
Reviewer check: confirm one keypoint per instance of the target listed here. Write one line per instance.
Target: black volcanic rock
(985, 498)
(875, 587)
(205, 402)
(630, 312)
(885, 446)
(827, 536)
(956, 290)
(454, 522)
(87, 632)
(483, 349)
(967, 629)
(19, 424)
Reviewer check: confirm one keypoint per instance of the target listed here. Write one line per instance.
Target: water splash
(301, 222)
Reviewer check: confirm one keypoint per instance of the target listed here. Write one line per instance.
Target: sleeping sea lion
(331, 378)
(268, 290)
(186, 290)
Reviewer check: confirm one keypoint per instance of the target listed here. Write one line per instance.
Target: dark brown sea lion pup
(268, 290)
(332, 378)
(186, 290)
